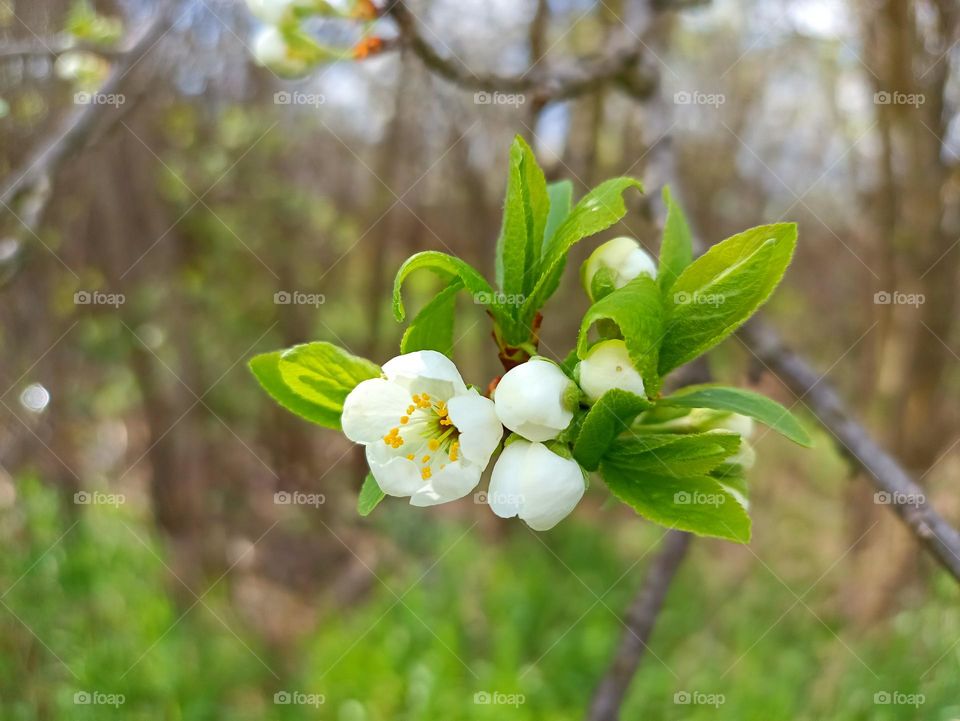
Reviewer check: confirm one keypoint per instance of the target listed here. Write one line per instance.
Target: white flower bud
(621, 260)
(271, 50)
(608, 366)
(532, 482)
(534, 399)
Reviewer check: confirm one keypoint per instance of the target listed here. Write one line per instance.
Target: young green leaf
(676, 247)
(432, 327)
(699, 504)
(597, 210)
(746, 403)
(673, 454)
(561, 198)
(720, 290)
(608, 418)
(370, 496)
(524, 217)
(449, 267)
(636, 308)
(312, 380)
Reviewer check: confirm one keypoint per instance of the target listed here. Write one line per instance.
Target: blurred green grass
(530, 616)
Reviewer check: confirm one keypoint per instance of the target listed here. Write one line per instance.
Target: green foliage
(597, 210)
(370, 496)
(720, 290)
(636, 309)
(648, 475)
(312, 379)
(432, 328)
(525, 212)
(745, 403)
(676, 247)
(608, 418)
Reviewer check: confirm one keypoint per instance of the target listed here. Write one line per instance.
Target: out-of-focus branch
(623, 65)
(54, 48)
(640, 621)
(906, 498)
(80, 124)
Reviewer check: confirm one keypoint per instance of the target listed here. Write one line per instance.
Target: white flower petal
(480, 430)
(551, 487)
(503, 495)
(372, 409)
(395, 475)
(426, 371)
(453, 481)
(530, 400)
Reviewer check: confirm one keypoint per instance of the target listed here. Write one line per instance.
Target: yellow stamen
(433, 444)
(404, 420)
(411, 409)
(425, 473)
(410, 457)
(425, 459)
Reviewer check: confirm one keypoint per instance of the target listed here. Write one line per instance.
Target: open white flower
(427, 435)
(607, 366)
(622, 259)
(535, 399)
(271, 50)
(532, 482)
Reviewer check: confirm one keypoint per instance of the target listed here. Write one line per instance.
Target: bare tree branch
(640, 621)
(54, 48)
(904, 495)
(623, 65)
(79, 124)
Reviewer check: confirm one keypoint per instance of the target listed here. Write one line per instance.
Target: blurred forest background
(175, 578)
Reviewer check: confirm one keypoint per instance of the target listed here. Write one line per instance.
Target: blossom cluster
(430, 437)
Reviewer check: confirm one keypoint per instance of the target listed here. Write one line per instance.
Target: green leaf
(636, 308)
(597, 210)
(448, 267)
(312, 379)
(266, 368)
(676, 247)
(720, 290)
(700, 504)
(744, 402)
(561, 198)
(607, 418)
(525, 212)
(370, 496)
(673, 454)
(432, 327)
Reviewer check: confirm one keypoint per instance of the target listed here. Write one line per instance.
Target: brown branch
(54, 48)
(905, 496)
(622, 65)
(641, 618)
(80, 124)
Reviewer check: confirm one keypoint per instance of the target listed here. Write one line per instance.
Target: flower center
(426, 427)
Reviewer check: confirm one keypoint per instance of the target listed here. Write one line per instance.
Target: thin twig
(623, 64)
(80, 124)
(902, 493)
(641, 618)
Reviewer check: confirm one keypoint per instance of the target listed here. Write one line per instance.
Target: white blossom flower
(608, 366)
(427, 435)
(623, 258)
(271, 50)
(532, 482)
(536, 399)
